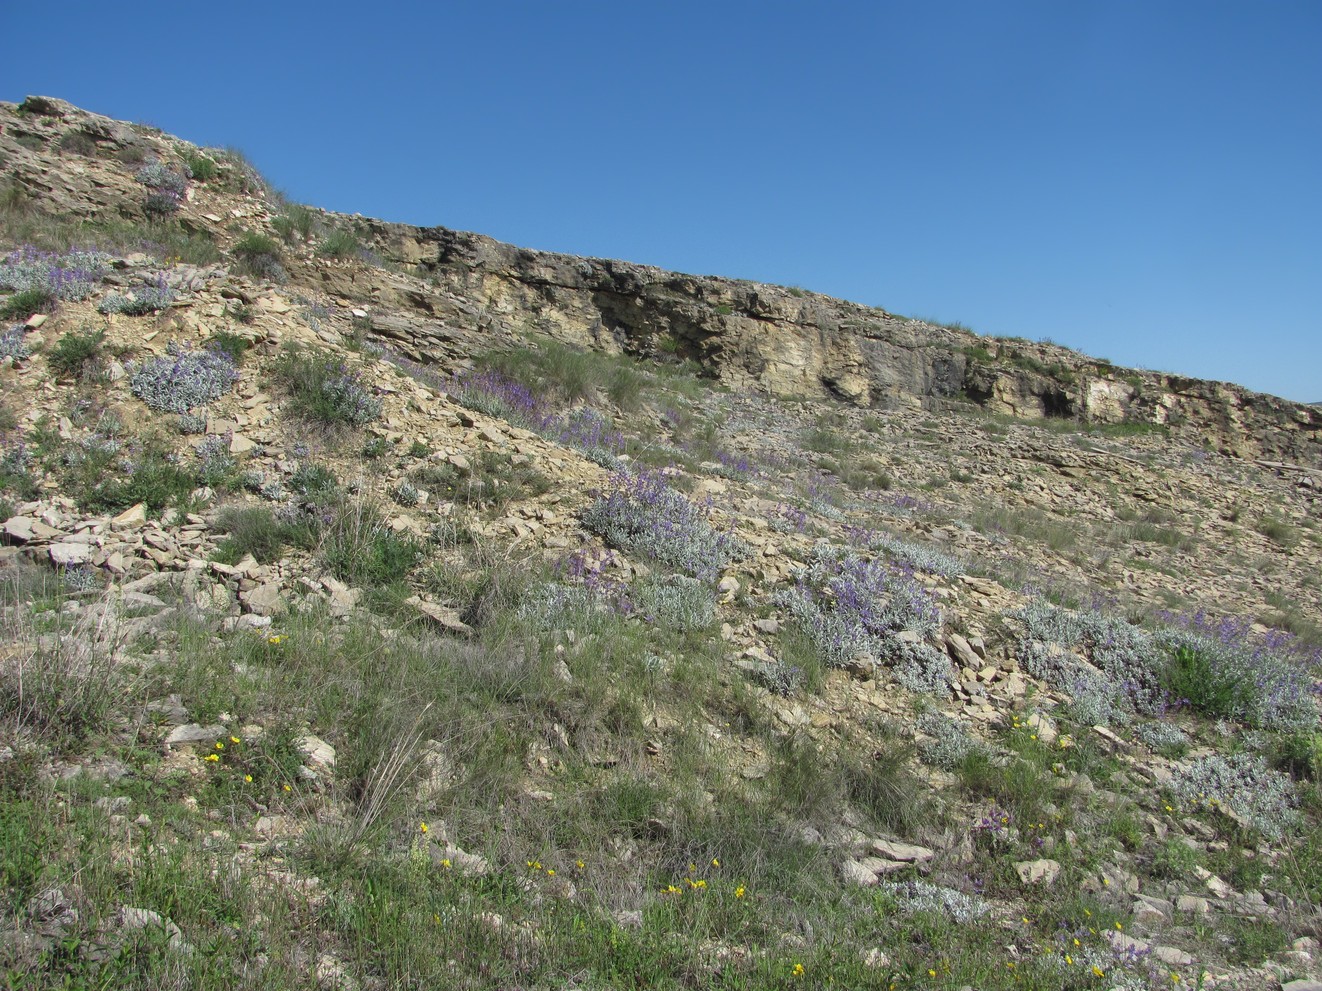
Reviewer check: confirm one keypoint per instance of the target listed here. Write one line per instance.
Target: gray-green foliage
(950, 742)
(675, 601)
(12, 344)
(183, 379)
(922, 896)
(1114, 670)
(1243, 786)
(853, 608)
(918, 556)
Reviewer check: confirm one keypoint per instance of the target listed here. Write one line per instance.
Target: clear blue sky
(1140, 180)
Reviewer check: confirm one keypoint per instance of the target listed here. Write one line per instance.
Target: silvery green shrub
(71, 276)
(851, 606)
(158, 175)
(148, 298)
(12, 344)
(675, 601)
(184, 378)
(645, 516)
(215, 464)
(917, 556)
(1115, 669)
(1243, 786)
(950, 744)
(922, 896)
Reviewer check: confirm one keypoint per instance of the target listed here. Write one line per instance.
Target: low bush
(26, 302)
(16, 470)
(359, 546)
(1242, 787)
(77, 354)
(216, 467)
(200, 167)
(340, 244)
(645, 516)
(69, 275)
(147, 298)
(492, 481)
(251, 530)
(13, 345)
(297, 222)
(853, 608)
(167, 188)
(260, 257)
(325, 390)
(185, 378)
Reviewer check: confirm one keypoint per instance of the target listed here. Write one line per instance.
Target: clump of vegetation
(493, 480)
(150, 297)
(359, 546)
(183, 379)
(77, 355)
(166, 188)
(644, 515)
(340, 244)
(39, 280)
(295, 223)
(325, 390)
(13, 345)
(260, 258)
(853, 608)
(1219, 670)
(1242, 787)
(200, 166)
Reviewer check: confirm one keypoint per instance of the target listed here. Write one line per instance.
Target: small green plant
(1278, 531)
(296, 223)
(77, 143)
(325, 390)
(201, 167)
(251, 530)
(340, 244)
(260, 257)
(77, 355)
(224, 342)
(26, 302)
(361, 549)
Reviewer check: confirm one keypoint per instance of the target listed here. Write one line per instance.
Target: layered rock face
(792, 343)
(475, 293)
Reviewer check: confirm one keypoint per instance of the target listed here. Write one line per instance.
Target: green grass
(26, 302)
(202, 167)
(77, 355)
(341, 244)
(324, 390)
(567, 376)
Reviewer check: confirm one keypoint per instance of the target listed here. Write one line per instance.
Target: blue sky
(1139, 180)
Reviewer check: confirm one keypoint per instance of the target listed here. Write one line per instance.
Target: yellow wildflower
(213, 757)
(248, 778)
(422, 826)
(739, 891)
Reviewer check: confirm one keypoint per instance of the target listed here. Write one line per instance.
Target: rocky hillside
(387, 606)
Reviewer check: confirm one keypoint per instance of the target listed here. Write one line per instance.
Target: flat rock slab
(1038, 871)
(67, 553)
(904, 852)
(195, 733)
